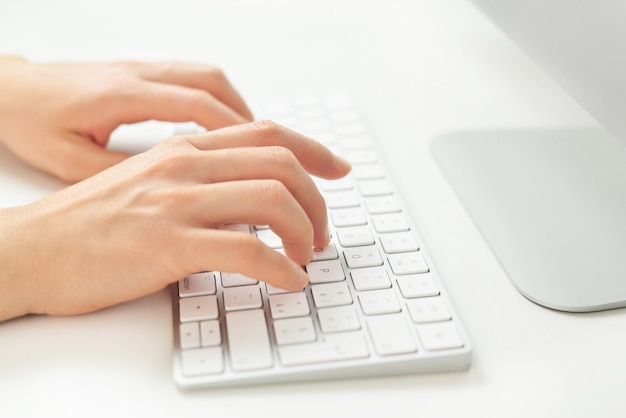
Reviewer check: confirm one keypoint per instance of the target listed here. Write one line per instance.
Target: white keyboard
(374, 306)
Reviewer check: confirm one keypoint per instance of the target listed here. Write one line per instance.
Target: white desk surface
(418, 68)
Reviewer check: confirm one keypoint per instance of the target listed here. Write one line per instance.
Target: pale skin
(132, 225)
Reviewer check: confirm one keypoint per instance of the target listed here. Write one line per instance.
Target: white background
(417, 68)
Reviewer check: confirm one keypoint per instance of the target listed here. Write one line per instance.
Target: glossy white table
(418, 68)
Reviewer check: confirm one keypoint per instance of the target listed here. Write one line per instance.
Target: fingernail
(303, 278)
(343, 162)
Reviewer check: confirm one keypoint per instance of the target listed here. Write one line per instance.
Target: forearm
(9, 70)
(15, 295)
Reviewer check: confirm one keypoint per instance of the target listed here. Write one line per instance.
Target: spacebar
(334, 348)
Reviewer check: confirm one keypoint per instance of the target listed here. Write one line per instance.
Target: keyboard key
(334, 347)
(288, 305)
(382, 204)
(362, 257)
(391, 335)
(315, 114)
(349, 130)
(242, 297)
(335, 185)
(356, 142)
(390, 222)
(408, 263)
(327, 253)
(210, 333)
(369, 188)
(325, 271)
(269, 238)
(202, 361)
(197, 284)
(273, 290)
(355, 236)
(338, 102)
(198, 308)
(327, 138)
(338, 319)
(376, 302)
(417, 285)
(189, 335)
(368, 171)
(307, 102)
(294, 330)
(348, 217)
(236, 279)
(277, 107)
(314, 127)
(248, 340)
(370, 278)
(398, 242)
(431, 309)
(341, 199)
(439, 336)
(343, 116)
(331, 294)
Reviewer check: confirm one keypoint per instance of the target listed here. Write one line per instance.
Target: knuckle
(121, 81)
(217, 73)
(171, 158)
(165, 200)
(268, 129)
(274, 191)
(172, 141)
(198, 97)
(283, 157)
(173, 162)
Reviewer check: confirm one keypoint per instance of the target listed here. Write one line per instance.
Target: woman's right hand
(156, 217)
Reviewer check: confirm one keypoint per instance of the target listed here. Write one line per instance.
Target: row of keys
(286, 305)
(411, 286)
(251, 349)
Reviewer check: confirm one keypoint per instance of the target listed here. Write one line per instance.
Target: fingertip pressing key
(303, 278)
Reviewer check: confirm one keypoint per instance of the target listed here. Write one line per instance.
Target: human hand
(156, 217)
(58, 117)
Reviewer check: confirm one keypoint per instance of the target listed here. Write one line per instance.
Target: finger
(233, 252)
(257, 202)
(84, 156)
(277, 163)
(198, 76)
(314, 157)
(12, 59)
(167, 102)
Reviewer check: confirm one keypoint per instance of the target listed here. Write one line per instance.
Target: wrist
(15, 291)
(11, 73)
